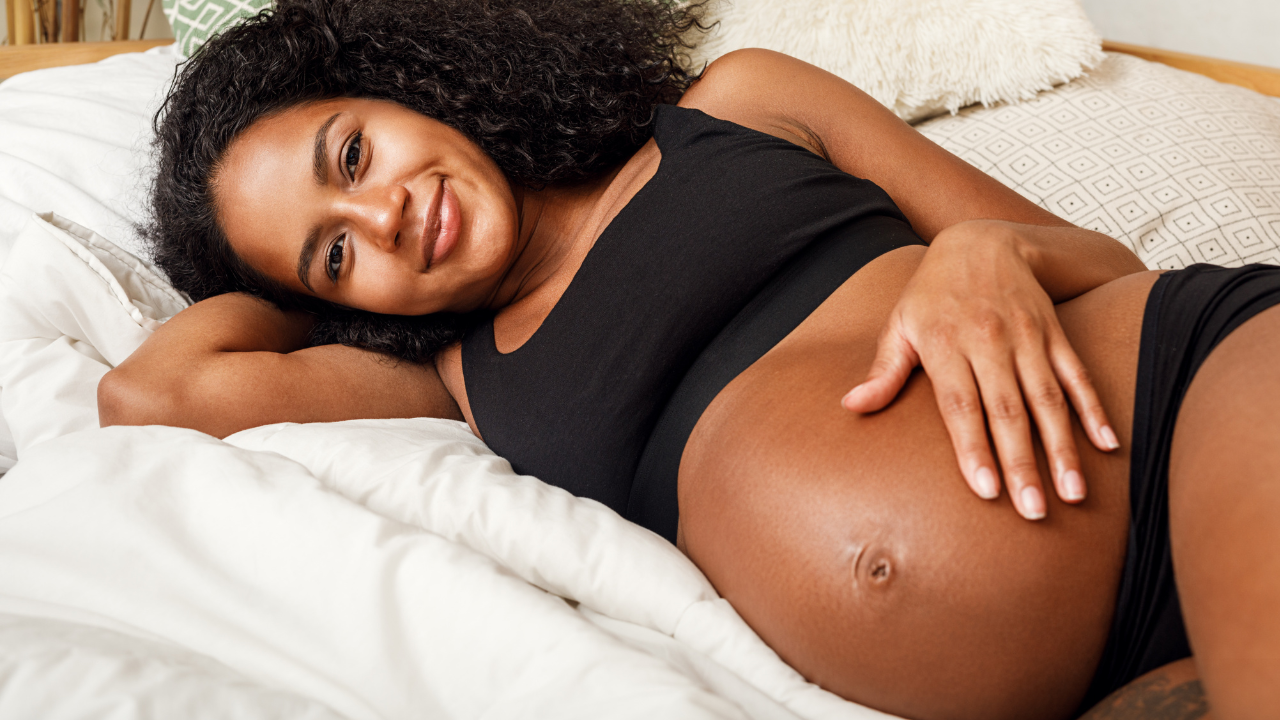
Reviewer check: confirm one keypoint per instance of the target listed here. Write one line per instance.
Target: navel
(872, 565)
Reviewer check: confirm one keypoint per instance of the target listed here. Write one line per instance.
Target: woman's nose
(378, 213)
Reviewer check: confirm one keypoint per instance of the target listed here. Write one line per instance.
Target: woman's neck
(558, 226)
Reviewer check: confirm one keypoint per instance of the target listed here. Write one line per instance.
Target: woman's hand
(979, 320)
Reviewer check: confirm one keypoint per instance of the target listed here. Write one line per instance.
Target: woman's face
(368, 204)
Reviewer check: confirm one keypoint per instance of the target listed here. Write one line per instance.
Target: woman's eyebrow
(320, 168)
(320, 158)
(307, 255)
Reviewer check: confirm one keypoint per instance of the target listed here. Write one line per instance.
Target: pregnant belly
(852, 545)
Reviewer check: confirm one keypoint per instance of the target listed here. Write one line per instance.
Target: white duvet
(371, 569)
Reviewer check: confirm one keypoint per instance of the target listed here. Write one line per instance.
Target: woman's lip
(431, 228)
(449, 221)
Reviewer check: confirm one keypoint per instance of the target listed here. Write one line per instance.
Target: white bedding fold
(245, 557)
(72, 306)
(435, 474)
(59, 670)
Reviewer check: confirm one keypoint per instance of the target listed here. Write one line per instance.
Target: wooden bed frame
(21, 58)
(1263, 79)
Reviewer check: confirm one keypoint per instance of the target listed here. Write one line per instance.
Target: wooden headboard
(1255, 77)
(21, 58)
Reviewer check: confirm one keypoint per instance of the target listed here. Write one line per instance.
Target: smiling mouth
(443, 224)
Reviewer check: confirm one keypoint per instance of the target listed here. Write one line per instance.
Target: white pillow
(72, 306)
(918, 57)
(77, 142)
(1180, 168)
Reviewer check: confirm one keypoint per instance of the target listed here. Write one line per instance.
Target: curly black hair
(555, 91)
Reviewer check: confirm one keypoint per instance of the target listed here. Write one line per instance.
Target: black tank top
(727, 209)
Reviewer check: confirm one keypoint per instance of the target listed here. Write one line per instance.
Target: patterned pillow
(1181, 168)
(195, 21)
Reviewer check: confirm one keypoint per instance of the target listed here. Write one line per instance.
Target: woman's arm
(233, 362)
(978, 316)
(789, 98)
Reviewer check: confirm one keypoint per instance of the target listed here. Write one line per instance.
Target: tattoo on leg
(1154, 698)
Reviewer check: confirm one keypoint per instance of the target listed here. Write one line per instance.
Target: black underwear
(789, 297)
(1187, 314)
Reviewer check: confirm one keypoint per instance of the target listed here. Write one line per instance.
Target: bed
(396, 569)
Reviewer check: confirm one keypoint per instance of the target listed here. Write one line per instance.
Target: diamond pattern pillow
(195, 21)
(1181, 168)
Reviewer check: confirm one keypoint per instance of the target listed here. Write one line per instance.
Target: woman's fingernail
(988, 488)
(849, 396)
(1072, 486)
(1032, 503)
(1108, 437)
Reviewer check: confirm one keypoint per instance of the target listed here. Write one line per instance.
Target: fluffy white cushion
(918, 57)
(1179, 167)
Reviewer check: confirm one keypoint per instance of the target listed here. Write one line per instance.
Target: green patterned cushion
(195, 21)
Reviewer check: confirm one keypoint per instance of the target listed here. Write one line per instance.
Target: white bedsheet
(58, 670)
(243, 556)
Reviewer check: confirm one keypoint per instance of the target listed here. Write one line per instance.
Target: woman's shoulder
(737, 87)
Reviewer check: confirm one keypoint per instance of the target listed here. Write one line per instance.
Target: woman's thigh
(1224, 519)
(852, 545)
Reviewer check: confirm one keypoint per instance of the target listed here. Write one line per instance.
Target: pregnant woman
(657, 290)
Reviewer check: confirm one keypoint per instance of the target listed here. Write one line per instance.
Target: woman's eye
(333, 263)
(352, 160)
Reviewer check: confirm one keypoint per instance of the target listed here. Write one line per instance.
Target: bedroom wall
(157, 26)
(1241, 30)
